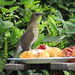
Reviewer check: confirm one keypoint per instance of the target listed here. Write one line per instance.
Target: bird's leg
(18, 50)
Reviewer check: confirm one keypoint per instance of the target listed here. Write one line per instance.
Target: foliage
(57, 27)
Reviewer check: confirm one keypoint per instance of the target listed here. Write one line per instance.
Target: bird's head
(36, 15)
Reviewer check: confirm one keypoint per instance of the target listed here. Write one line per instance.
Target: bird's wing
(26, 39)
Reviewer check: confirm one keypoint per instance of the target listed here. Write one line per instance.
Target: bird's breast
(35, 33)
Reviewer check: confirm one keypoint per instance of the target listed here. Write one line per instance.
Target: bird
(29, 37)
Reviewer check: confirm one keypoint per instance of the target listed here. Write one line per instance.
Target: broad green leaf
(58, 13)
(35, 2)
(7, 24)
(20, 73)
(46, 7)
(73, 20)
(51, 20)
(66, 73)
(9, 2)
(72, 9)
(63, 6)
(18, 32)
(2, 63)
(54, 38)
(4, 25)
(70, 28)
(45, 72)
(53, 24)
(27, 15)
(5, 10)
(13, 38)
(29, 72)
(39, 40)
(34, 7)
(13, 8)
(60, 19)
(1, 2)
(26, 1)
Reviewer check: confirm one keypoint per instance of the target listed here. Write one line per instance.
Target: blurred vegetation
(56, 27)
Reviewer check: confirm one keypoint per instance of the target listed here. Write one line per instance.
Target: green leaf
(4, 26)
(58, 13)
(20, 73)
(4, 10)
(66, 73)
(2, 64)
(45, 72)
(63, 6)
(9, 2)
(72, 9)
(26, 1)
(29, 72)
(13, 8)
(53, 25)
(13, 38)
(7, 24)
(70, 28)
(39, 40)
(1, 2)
(54, 38)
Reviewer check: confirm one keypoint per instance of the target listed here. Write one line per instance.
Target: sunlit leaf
(13, 8)
(26, 1)
(9, 2)
(40, 38)
(7, 24)
(5, 10)
(53, 25)
(1, 2)
(66, 73)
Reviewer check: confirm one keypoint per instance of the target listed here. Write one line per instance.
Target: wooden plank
(51, 66)
(14, 67)
(62, 66)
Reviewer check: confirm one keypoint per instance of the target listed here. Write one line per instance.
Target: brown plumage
(30, 36)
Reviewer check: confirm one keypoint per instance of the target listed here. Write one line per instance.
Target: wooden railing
(55, 68)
